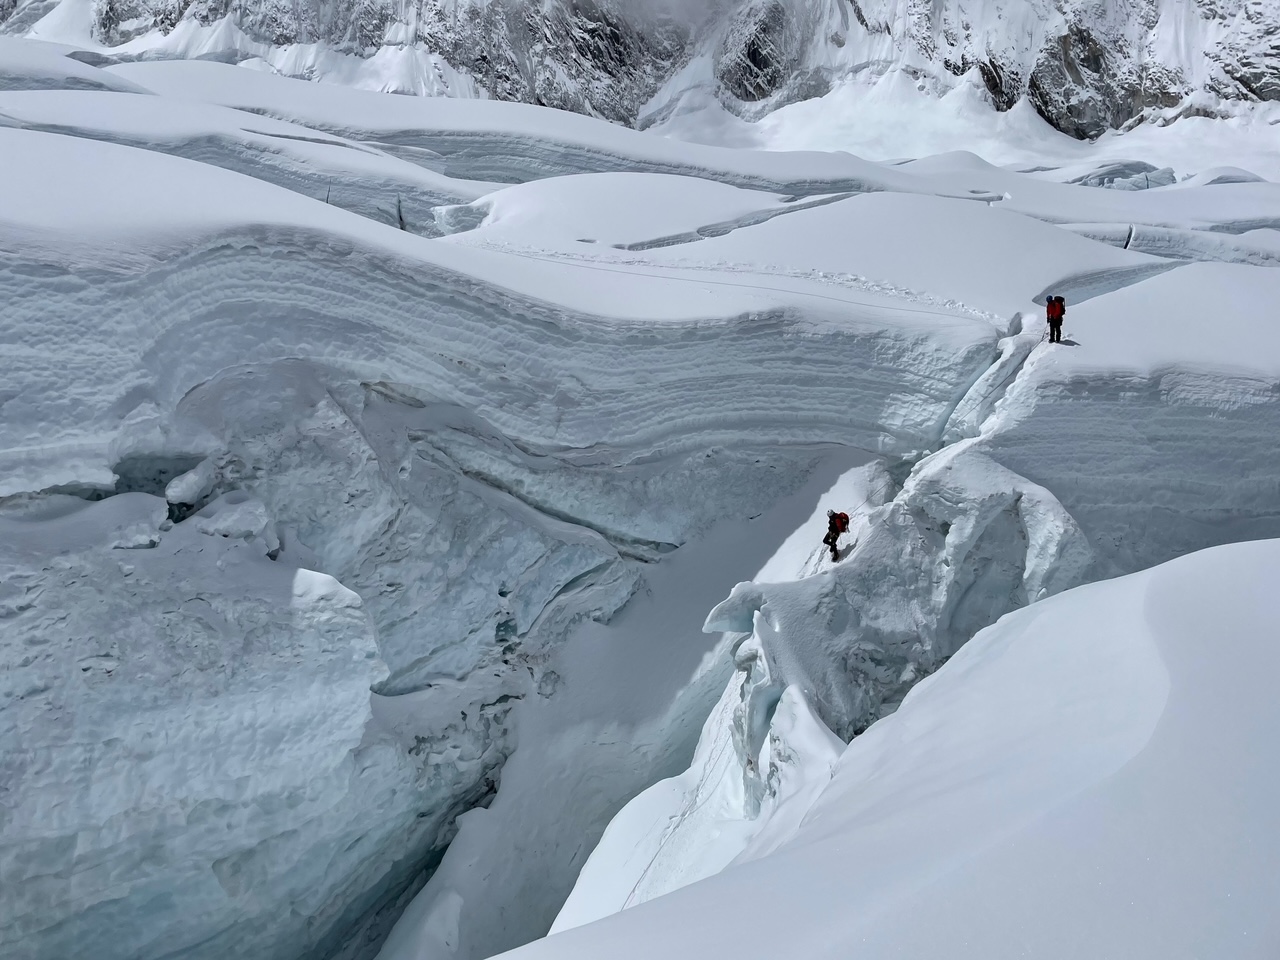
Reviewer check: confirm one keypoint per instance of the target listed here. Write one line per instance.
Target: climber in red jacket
(837, 523)
(1055, 308)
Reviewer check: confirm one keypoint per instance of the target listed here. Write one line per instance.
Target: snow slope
(867, 120)
(507, 142)
(339, 172)
(1095, 756)
(31, 65)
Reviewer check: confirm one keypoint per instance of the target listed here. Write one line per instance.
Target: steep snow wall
(482, 449)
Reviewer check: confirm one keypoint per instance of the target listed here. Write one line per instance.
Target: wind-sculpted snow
(27, 65)
(631, 208)
(348, 175)
(510, 142)
(980, 256)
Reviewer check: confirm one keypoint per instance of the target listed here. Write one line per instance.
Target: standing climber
(837, 523)
(1055, 308)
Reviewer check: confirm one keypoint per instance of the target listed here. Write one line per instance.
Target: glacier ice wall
(184, 727)
(472, 455)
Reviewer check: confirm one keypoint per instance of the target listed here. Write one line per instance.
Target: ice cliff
(184, 727)
(261, 453)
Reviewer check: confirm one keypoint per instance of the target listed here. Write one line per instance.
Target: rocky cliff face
(1086, 65)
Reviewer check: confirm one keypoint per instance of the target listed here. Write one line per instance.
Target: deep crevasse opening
(963, 542)
(631, 695)
(505, 498)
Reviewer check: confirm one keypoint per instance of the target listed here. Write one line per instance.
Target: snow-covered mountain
(1086, 66)
(370, 464)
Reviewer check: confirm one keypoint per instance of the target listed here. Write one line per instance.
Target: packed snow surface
(369, 466)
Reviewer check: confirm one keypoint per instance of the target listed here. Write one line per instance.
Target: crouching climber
(837, 523)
